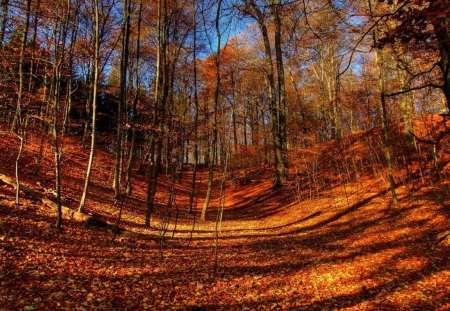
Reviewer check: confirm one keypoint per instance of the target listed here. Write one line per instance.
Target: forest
(224, 154)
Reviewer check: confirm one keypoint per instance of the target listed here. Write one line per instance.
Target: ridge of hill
(329, 239)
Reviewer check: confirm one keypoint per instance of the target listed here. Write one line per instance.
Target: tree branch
(414, 89)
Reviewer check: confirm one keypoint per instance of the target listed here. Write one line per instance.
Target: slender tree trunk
(17, 168)
(219, 217)
(33, 40)
(59, 61)
(281, 103)
(194, 172)
(17, 114)
(277, 143)
(244, 123)
(441, 26)
(94, 107)
(57, 163)
(233, 112)
(151, 189)
(122, 94)
(160, 101)
(66, 121)
(44, 125)
(135, 102)
(379, 58)
(382, 110)
(164, 87)
(88, 106)
(406, 101)
(5, 6)
(212, 152)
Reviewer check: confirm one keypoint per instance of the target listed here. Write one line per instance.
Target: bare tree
(122, 93)
(261, 18)
(382, 109)
(212, 148)
(23, 45)
(96, 63)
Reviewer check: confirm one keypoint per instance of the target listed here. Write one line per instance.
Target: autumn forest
(224, 154)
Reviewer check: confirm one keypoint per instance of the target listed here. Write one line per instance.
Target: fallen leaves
(308, 256)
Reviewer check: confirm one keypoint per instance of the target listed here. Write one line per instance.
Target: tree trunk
(88, 106)
(122, 94)
(281, 103)
(135, 102)
(17, 168)
(379, 59)
(94, 107)
(441, 26)
(5, 4)
(194, 172)
(33, 42)
(161, 89)
(382, 110)
(212, 150)
(233, 112)
(66, 121)
(17, 114)
(277, 143)
(406, 101)
(57, 164)
(59, 60)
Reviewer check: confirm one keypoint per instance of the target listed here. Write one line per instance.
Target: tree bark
(281, 103)
(17, 168)
(196, 110)
(33, 43)
(17, 114)
(5, 7)
(58, 67)
(212, 150)
(161, 92)
(94, 107)
(122, 94)
(382, 110)
(135, 102)
(441, 26)
(277, 142)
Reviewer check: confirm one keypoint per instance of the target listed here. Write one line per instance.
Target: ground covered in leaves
(329, 239)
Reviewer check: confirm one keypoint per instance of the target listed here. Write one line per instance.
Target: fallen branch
(66, 211)
(443, 236)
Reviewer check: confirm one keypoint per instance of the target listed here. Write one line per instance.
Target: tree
(253, 9)
(58, 72)
(4, 5)
(196, 105)
(23, 45)
(160, 99)
(96, 65)
(212, 148)
(122, 93)
(276, 7)
(413, 20)
(380, 61)
(137, 92)
(439, 10)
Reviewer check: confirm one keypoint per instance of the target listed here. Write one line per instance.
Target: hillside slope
(329, 239)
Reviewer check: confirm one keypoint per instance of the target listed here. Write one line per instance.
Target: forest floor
(329, 239)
